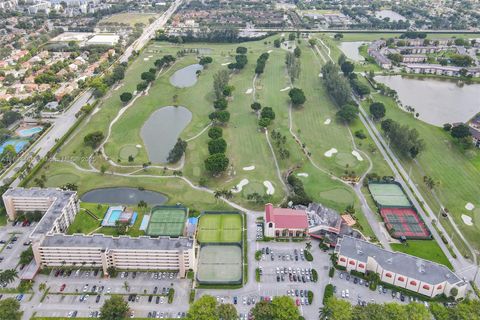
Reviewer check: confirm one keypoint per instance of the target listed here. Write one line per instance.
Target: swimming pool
(29, 132)
(114, 216)
(18, 144)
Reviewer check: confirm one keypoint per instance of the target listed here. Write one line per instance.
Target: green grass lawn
(426, 249)
(130, 18)
(220, 228)
(452, 168)
(84, 222)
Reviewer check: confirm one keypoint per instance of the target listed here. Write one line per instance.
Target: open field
(224, 227)
(84, 222)
(451, 167)
(426, 249)
(129, 18)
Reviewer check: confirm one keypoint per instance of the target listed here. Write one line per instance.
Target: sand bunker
(320, 75)
(146, 59)
(469, 206)
(285, 89)
(328, 121)
(249, 91)
(467, 220)
(269, 51)
(249, 168)
(269, 186)
(302, 174)
(150, 56)
(330, 152)
(138, 146)
(240, 186)
(282, 35)
(225, 64)
(357, 155)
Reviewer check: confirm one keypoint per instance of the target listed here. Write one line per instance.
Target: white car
(347, 293)
(343, 293)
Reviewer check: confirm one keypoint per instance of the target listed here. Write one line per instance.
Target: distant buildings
(398, 269)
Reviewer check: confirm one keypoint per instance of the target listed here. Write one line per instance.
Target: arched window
(270, 224)
(342, 259)
(352, 262)
(413, 283)
(361, 265)
(402, 279)
(388, 275)
(440, 287)
(426, 287)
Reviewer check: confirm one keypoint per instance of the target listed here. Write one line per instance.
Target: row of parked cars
(166, 315)
(293, 275)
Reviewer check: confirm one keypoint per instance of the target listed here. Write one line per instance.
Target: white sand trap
(320, 75)
(282, 35)
(240, 186)
(285, 89)
(302, 174)
(467, 220)
(138, 146)
(249, 168)
(357, 155)
(330, 152)
(150, 56)
(269, 51)
(469, 206)
(226, 63)
(328, 121)
(146, 59)
(269, 186)
(249, 91)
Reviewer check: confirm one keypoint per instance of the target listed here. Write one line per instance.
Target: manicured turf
(220, 264)
(129, 18)
(426, 249)
(388, 195)
(166, 222)
(220, 228)
(84, 222)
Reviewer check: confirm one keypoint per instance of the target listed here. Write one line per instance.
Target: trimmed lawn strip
(425, 249)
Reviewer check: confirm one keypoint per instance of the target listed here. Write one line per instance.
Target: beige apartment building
(399, 269)
(53, 248)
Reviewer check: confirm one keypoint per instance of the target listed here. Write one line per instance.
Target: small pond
(392, 15)
(161, 131)
(350, 49)
(185, 77)
(123, 195)
(438, 101)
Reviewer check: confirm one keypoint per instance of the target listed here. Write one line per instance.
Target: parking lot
(357, 291)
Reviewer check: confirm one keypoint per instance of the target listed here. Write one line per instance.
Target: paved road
(60, 126)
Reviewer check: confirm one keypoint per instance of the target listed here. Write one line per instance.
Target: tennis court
(167, 221)
(404, 222)
(220, 227)
(388, 195)
(220, 264)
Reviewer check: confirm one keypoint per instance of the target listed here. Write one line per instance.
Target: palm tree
(325, 313)
(334, 258)
(42, 286)
(126, 286)
(8, 276)
(308, 245)
(217, 194)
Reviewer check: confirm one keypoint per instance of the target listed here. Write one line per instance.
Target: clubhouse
(285, 222)
(398, 269)
(53, 248)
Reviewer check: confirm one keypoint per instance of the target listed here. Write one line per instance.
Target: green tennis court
(167, 221)
(222, 227)
(388, 195)
(220, 264)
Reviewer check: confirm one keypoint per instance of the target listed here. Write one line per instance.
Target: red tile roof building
(285, 222)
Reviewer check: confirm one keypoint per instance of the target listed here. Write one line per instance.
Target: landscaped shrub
(308, 255)
(258, 255)
(171, 294)
(314, 275)
(310, 297)
(257, 274)
(192, 296)
(328, 293)
(331, 272)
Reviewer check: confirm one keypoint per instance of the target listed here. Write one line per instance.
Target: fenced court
(220, 264)
(404, 222)
(220, 227)
(167, 221)
(388, 195)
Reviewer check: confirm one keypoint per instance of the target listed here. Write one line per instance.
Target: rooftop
(407, 265)
(59, 200)
(120, 243)
(286, 218)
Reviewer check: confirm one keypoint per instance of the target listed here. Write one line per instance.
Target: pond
(350, 49)
(162, 129)
(185, 77)
(438, 101)
(392, 15)
(123, 195)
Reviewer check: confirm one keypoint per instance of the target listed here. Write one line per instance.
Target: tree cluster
(280, 142)
(337, 85)
(293, 66)
(207, 308)
(205, 60)
(297, 96)
(280, 308)
(299, 195)
(114, 308)
(177, 151)
(261, 61)
(93, 139)
(404, 139)
(267, 115)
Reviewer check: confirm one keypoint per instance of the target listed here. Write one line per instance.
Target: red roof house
(285, 222)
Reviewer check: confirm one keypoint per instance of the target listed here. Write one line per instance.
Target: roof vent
(420, 266)
(389, 260)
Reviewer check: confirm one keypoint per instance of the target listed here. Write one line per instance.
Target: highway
(65, 121)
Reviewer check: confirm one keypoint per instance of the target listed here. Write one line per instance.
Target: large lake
(161, 131)
(185, 77)
(123, 195)
(437, 101)
(350, 49)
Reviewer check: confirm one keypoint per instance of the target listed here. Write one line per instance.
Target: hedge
(331, 272)
(310, 297)
(258, 255)
(328, 293)
(308, 255)
(171, 293)
(314, 275)
(192, 296)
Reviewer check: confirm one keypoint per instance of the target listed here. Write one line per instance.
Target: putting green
(127, 151)
(338, 195)
(343, 159)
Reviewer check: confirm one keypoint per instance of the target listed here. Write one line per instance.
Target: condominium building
(399, 269)
(53, 248)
